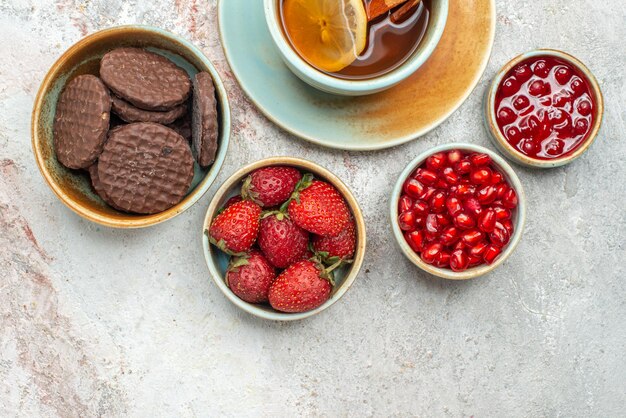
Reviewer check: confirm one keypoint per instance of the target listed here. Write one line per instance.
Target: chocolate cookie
(130, 113)
(97, 186)
(204, 127)
(145, 79)
(81, 121)
(145, 168)
(182, 126)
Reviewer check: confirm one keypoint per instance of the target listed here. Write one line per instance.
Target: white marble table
(95, 321)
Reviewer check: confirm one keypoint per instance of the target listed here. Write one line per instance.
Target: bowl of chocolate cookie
(131, 126)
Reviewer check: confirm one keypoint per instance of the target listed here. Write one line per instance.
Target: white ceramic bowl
(217, 261)
(498, 138)
(519, 215)
(329, 84)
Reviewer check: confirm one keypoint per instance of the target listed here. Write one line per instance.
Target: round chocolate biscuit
(204, 129)
(145, 167)
(182, 126)
(147, 80)
(97, 186)
(81, 121)
(130, 113)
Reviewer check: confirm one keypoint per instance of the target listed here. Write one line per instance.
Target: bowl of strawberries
(458, 211)
(284, 238)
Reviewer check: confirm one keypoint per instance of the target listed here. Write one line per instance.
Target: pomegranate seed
(441, 184)
(459, 246)
(501, 189)
(407, 221)
(473, 237)
(499, 236)
(509, 200)
(413, 188)
(436, 161)
(474, 261)
(405, 204)
(562, 75)
(555, 147)
(432, 226)
(459, 261)
(473, 206)
(487, 220)
(480, 160)
(496, 177)
(443, 259)
(450, 176)
(438, 202)
(541, 69)
(523, 73)
(508, 225)
(454, 157)
(454, 205)
(415, 239)
(420, 207)
(479, 249)
(481, 176)
(464, 190)
(427, 177)
(584, 107)
(449, 236)
(486, 194)
(427, 194)
(463, 167)
(510, 86)
(464, 221)
(521, 102)
(430, 253)
(491, 253)
(506, 116)
(578, 86)
(443, 220)
(562, 100)
(502, 213)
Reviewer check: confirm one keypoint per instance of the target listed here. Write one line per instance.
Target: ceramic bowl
(498, 138)
(519, 216)
(329, 84)
(217, 261)
(73, 187)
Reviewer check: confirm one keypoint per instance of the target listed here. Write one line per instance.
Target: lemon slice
(329, 34)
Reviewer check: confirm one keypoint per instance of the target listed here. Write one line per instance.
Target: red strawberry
(305, 285)
(229, 202)
(234, 231)
(319, 208)
(341, 247)
(282, 242)
(270, 186)
(250, 277)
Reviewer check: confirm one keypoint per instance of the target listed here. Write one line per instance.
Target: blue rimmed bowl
(73, 187)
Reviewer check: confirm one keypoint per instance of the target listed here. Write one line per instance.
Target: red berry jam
(456, 210)
(544, 108)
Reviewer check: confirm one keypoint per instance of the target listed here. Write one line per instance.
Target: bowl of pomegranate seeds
(458, 211)
(544, 109)
(284, 238)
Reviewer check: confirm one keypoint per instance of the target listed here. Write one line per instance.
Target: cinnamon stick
(378, 8)
(401, 14)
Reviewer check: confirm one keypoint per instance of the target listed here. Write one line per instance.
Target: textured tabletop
(95, 321)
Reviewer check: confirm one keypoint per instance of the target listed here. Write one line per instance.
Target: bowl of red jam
(458, 211)
(544, 109)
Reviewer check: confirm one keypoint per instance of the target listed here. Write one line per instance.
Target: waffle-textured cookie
(147, 80)
(204, 128)
(145, 168)
(81, 121)
(97, 186)
(130, 113)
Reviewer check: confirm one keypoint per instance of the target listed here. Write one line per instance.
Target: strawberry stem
(304, 182)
